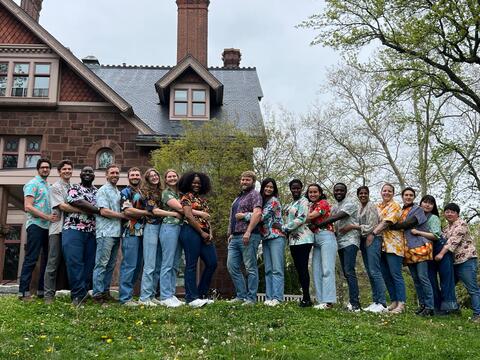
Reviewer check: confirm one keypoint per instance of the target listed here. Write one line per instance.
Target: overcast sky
(143, 32)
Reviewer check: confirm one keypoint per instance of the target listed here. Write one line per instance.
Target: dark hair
(390, 185)
(340, 184)
(430, 199)
(62, 163)
(43, 160)
(265, 183)
(322, 195)
(185, 182)
(453, 207)
(363, 187)
(295, 181)
(409, 189)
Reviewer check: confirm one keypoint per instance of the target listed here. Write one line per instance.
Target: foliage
(224, 331)
(220, 150)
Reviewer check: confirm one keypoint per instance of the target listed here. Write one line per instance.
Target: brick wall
(78, 136)
(13, 32)
(73, 88)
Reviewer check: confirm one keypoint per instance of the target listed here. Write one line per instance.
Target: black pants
(300, 255)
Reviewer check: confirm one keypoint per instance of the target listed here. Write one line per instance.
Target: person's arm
(85, 206)
(338, 216)
(349, 227)
(299, 220)
(425, 234)
(28, 206)
(131, 212)
(187, 209)
(255, 219)
(164, 213)
(409, 223)
(454, 240)
(65, 207)
(111, 214)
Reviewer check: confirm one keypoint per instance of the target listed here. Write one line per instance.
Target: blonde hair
(149, 190)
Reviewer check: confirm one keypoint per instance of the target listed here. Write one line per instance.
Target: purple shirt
(244, 203)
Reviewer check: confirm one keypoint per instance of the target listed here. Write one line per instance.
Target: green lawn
(223, 331)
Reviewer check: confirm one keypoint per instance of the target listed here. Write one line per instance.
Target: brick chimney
(32, 8)
(192, 29)
(231, 58)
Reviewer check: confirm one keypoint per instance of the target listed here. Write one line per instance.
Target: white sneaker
(146, 303)
(197, 303)
(170, 302)
(378, 308)
(178, 301)
(130, 303)
(321, 306)
(268, 302)
(156, 301)
(369, 307)
(273, 302)
(210, 301)
(248, 303)
(235, 300)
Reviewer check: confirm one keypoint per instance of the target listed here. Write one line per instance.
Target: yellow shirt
(393, 240)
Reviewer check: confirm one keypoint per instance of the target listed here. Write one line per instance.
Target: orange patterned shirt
(393, 240)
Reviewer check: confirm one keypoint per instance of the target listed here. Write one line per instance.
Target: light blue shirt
(39, 189)
(108, 197)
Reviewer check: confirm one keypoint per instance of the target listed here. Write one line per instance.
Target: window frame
(22, 150)
(99, 153)
(190, 102)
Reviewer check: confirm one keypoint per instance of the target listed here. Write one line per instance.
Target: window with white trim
(189, 101)
(19, 152)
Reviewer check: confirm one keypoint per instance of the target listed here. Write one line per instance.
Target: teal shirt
(108, 197)
(39, 189)
(167, 195)
(434, 226)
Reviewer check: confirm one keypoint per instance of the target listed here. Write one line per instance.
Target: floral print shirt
(108, 197)
(323, 208)
(368, 218)
(271, 214)
(350, 207)
(197, 203)
(38, 188)
(295, 226)
(167, 195)
(460, 242)
(393, 240)
(132, 198)
(244, 203)
(80, 221)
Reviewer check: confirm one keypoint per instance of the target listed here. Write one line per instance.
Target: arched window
(105, 157)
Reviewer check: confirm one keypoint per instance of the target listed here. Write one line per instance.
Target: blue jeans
(348, 259)
(423, 286)
(151, 258)
(79, 253)
(391, 266)
(274, 260)
(323, 266)
(130, 267)
(37, 241)
(371, 256)
(467, 273)
(238, 253)
(195, 248)
(444, 295)
(105, 260)
(170, 253)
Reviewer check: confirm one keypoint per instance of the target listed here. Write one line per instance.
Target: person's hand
(53, 217)
(229, 238)
(345, 229)
(205, 236)
(439, 257)
(177, 215)
(204, 215)
(414, 232)
(369, 240)
(277, 226)
(246, 238)
(239, 216)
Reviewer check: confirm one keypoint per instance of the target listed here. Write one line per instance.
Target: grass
(224, 331)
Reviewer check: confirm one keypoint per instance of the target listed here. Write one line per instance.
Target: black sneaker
(305, 303)
(420, 309)
(426, 312)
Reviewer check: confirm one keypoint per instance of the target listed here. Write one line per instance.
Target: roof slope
(242, 92)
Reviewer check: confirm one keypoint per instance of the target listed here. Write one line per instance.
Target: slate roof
(242, 92)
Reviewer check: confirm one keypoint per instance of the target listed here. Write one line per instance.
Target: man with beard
(132, 203)
(243, 240)
(344, 214)
(108, 231)
(39, 217)
(58, 201)
(78, 242)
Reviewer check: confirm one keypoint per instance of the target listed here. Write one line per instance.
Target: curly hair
(151, 191)
(185, 182)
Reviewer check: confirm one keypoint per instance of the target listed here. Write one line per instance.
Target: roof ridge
(125, 66)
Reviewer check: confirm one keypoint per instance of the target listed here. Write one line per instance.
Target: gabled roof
(64, 53)
(242, 92)
(187, 62)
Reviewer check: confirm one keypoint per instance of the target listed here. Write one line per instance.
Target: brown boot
(399, 309)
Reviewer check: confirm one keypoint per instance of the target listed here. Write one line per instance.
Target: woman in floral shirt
(300, 237)
(196, 238)
(461, 243)
(393, 247)
(324, 248)
(273, 241)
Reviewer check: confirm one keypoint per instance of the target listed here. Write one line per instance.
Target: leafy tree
(220, 150)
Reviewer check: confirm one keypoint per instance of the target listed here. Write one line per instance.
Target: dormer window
(189, 101)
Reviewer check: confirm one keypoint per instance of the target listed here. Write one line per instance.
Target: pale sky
(143, 32)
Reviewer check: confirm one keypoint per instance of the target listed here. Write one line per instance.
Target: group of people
(154, 224)
(86, 226)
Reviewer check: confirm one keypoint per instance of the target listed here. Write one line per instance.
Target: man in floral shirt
(244, 238)
(78, 236)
